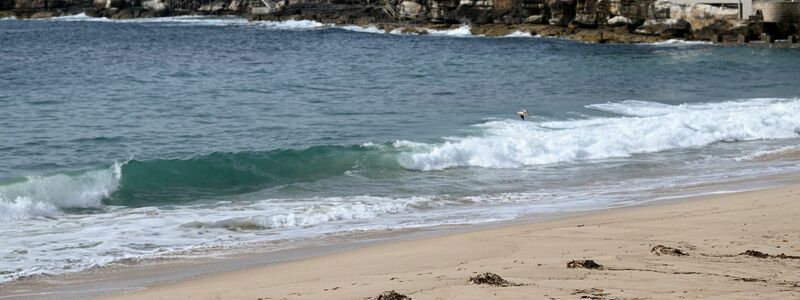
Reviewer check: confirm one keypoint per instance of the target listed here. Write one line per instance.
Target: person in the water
(522, 114)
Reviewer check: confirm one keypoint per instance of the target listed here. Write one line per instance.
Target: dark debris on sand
(755, 253)
(759, 254)
(392, 295)
(592, 293)
(584, 264)
(664, 250)
(490, 279)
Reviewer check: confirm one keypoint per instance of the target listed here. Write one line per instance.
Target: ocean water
(144, 138)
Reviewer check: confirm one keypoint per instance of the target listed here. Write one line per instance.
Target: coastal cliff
(615, 21)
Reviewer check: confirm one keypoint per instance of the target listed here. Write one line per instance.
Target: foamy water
(652, 127)
(83, 239)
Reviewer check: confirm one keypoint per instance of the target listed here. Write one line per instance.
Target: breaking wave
(633, 127)
(42, 196)
(171, 180)
(462, 31)
(645, 127)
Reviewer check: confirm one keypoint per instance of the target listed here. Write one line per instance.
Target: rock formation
(588, 20)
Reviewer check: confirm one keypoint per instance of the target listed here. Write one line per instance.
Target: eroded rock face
(665, 27)
(587, 12)
(154, 5)
(411, 9)
(698, 19)
(213, 7)
(236, 6)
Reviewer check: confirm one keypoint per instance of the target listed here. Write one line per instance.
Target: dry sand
(533, 258)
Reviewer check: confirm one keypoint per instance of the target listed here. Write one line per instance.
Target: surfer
(522, 114)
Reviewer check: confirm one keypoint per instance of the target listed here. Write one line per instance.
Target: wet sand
(742, 245)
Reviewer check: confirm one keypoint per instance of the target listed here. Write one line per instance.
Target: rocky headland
(600, 21)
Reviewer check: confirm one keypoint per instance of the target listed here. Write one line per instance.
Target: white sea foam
(676, 42)
(650, 127)
(83, 240)
(368, 29)
(462, 31)
(81, 17)
(58, 242)
(517, 34)
(320, 211)
(176, 20)
(47, 195)
(293, 24)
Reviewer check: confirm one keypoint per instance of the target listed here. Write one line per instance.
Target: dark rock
(7, 4)
(123, 14)
(92, 12)
(43, 15)
(584, 264)
(562, 12)
(392, 295)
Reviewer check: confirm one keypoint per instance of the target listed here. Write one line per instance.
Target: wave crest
(647, 127)
(48, 195)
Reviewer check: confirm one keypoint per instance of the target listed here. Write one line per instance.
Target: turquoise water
(140, 138)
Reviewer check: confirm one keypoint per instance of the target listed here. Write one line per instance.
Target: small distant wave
(645, 128)
(200, 20)
(676, 42)
(521, 34)
(292, 24)
(462, 31)
(8, 18)
(176, 20)
(368, 29)
(78, 17)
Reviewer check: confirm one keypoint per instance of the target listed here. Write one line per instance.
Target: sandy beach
(733, 246)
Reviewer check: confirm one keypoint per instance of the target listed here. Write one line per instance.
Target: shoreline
(600, 35)
(594, 35)
(147, 275)
(720, 241)
(713, 231)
